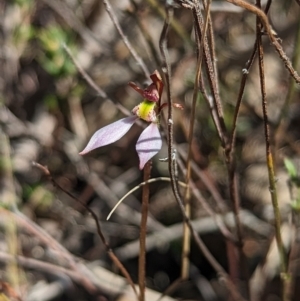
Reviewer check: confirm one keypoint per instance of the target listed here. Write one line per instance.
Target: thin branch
(92, 83)
(187, 196)
(265, 22)
(245, 73)
(172, 160)
(210, 67)
(144, 28)
(114, 19)
(269, 157)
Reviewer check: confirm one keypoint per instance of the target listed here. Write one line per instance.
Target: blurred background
(48, 112)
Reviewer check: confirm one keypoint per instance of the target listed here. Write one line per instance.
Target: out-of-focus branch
(203, 226)
(114, 19)
(265, 22)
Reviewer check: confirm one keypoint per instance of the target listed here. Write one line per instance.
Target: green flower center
(146, 111)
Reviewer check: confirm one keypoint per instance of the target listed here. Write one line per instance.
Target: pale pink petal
(149, 144)
(109, 133)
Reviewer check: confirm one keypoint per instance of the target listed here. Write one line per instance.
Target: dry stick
(213, 111)
(212, 107)
(272, 178)
(230, 152)
(231, 249)
(109, 251)
(245, 72)
(281, 124)
(187, 196)
(210, 66)
(233, 262)
(114, 19)
(211, 42)
(265, 22)
(172, 161)
(143, 232)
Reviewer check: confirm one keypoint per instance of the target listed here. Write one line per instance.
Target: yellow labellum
(146, 111)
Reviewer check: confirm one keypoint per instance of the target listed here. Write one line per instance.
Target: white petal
(149, 144)
(109, 134)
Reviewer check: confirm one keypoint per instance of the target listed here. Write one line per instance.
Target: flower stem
(143, 232)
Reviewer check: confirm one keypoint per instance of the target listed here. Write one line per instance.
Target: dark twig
(187, 196)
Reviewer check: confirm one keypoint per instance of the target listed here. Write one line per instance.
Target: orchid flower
(149, 142)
